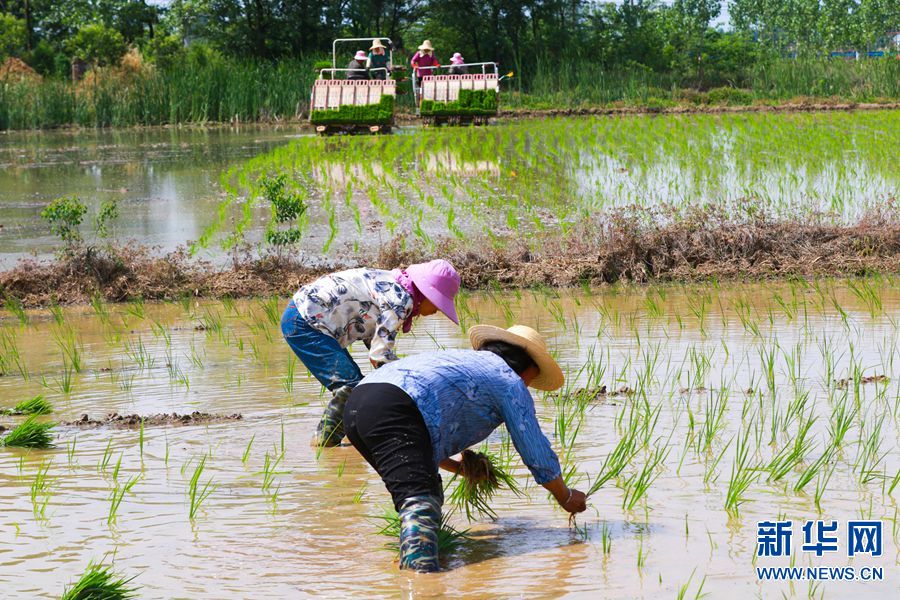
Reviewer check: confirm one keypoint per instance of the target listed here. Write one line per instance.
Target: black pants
(385, 425)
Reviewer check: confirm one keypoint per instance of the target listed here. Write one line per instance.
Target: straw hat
(377, 44)
(361, 55)
(426, 45)
(550, 376)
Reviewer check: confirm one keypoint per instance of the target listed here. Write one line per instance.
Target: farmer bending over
(411, 416)
(326, 316)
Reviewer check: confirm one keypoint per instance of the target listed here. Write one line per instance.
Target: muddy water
(313, 530)
(165, 180)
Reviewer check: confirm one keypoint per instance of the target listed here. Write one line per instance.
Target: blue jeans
(323, 356)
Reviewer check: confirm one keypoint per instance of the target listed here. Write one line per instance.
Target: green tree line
(524, 35)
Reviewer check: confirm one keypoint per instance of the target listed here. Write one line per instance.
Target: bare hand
(576, 503)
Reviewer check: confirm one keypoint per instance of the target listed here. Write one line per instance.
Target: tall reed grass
(578, 83)
(224, 90)
(219, 91)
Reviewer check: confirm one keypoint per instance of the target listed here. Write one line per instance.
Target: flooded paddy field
(742, 403)
(421, 186)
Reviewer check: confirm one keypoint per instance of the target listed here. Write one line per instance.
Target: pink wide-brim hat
(439, 282)
(361, 55)
(457, 59)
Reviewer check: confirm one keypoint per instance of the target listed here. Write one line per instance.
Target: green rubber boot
(330, 430)
(420, 518)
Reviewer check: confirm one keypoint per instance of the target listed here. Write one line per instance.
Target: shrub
(165, 51)
(12, 36)
(43, 59)
(98, 45)
(64, 216)
(731, 96)
(288, 208)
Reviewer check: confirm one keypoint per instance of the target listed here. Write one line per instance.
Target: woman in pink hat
(326, 316)
(358, 67)
(455, 65)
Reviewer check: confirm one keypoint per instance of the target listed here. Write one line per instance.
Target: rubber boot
(420, 519)
(330, 430)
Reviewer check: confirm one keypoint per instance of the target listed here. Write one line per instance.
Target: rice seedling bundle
(30, 434)
(33, 406)
(99, 582)
(449, 538)
(481, 476)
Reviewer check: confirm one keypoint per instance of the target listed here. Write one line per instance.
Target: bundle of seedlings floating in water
(30, 434)
(100, 583)
(449, 538)
(33, 406)
(480, 476)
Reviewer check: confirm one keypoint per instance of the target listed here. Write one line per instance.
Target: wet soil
(118, 421)
(842, 384)
(596, 393)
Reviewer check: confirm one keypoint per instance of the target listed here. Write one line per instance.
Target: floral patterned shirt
(357, 304)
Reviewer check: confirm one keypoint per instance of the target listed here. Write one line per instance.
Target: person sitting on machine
(378, 59)
(457, 65)
(357, 68)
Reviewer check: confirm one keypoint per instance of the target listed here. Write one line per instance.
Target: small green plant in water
(197, 494)
(288, 209)
(64, 216)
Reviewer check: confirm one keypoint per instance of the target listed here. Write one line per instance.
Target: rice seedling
(138, 353)
(141, 439)
(636, 485)
(70, 449)
(136, 308)
(287, 381)
(246, 455)
(358, 496)
(33, 406)
(107, 456)
(56, 312)
(271, 307)
(269, 472)
(15, 306)
(117, 495)
(813, 469)
(10, 355)
(743, 474)
(615, 462)
(198, 494)
(30, 434)
(100, 582)
(40, 491)
(481, 476)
